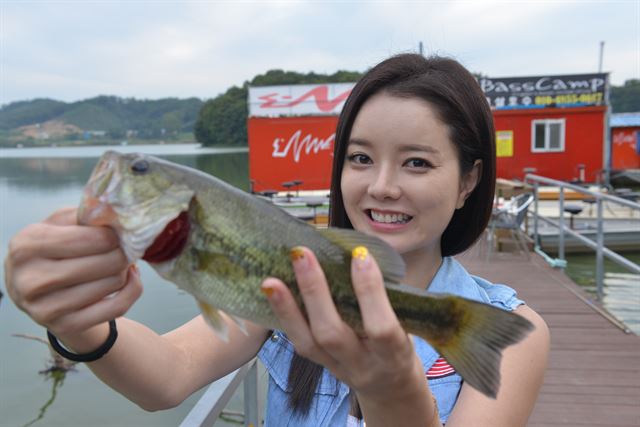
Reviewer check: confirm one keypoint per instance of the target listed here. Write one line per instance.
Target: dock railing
(211, 404)
(597, 245)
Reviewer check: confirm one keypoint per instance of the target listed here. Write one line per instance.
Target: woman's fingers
(64, 216)
(384, 332)
(108, 308)
(327, 327)
(322, 336)
(293, 322)
(57, 270)
(325, 338)
(45, 275)
(57, 304)
(61, 241)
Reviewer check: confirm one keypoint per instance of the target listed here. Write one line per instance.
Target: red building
(553, 126)
(291, 132)
(625, 141)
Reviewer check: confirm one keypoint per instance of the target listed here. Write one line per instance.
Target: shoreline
(95, 150)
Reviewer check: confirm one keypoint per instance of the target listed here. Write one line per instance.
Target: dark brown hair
(461, 105)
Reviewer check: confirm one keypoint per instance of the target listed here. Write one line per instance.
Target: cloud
(70, 50)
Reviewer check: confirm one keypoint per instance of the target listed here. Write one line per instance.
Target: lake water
(621, 289)
(33, 182)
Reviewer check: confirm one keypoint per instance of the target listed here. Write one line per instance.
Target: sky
(73, 50)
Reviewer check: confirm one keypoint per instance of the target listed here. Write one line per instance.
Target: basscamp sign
(579, 90)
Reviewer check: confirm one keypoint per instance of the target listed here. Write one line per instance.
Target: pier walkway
(593, 377)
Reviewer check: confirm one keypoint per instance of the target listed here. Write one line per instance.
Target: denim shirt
(330, 406)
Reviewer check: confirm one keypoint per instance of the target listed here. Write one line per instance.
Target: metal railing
(211, 404)
(597, 245)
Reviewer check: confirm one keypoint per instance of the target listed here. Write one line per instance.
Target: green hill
(24, 113)
(110, 117)
(92, 117)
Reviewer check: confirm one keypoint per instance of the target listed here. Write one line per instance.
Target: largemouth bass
(219, 243)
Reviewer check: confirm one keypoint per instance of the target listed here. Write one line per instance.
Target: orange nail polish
(296, 253)
(267, 291)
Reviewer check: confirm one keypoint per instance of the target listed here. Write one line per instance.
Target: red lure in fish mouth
(171, 241)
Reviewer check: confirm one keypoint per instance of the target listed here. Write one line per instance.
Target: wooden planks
(593, 377)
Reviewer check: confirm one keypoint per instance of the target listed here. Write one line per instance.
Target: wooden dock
(593, 377)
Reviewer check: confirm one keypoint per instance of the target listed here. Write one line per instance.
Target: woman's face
(401, 177)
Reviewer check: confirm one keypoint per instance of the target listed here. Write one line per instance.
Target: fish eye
(140, 167)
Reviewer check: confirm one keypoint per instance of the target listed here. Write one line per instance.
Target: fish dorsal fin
(401, 287)
(390, 262)
(215, 320)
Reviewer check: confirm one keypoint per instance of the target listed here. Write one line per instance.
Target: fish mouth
(95, 208)
(388, 217)
(153, 226)
(170, 242)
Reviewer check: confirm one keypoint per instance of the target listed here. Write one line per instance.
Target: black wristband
(86, 357)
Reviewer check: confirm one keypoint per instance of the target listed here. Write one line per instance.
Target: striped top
(440, 369)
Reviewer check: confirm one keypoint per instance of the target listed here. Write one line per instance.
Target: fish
(218, 243)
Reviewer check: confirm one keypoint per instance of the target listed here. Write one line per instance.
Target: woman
(414, 165)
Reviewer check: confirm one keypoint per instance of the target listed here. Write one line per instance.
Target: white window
(547, 135)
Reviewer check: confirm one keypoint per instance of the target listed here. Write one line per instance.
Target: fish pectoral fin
(390, 262)
(214, 318)
(241, 323)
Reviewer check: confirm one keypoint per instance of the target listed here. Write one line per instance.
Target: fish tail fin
(476, 351)
(469, 335)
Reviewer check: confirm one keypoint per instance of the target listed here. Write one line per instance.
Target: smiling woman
(414, 164)
(400, 169)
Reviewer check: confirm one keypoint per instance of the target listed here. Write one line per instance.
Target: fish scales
(243, 251)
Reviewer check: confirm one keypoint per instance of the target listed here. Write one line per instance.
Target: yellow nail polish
(296, 253)
(360, 252)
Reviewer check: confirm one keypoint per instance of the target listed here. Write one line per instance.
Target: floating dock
(593, 376)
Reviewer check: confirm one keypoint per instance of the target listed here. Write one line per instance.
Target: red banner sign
(287, 149)
(298, 100)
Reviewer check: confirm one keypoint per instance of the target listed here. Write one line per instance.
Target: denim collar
(451, 278)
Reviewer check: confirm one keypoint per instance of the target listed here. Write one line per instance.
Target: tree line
(220, 121)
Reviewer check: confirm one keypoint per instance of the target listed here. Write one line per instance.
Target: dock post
(536, 237)
(599, 252)
(561, 231)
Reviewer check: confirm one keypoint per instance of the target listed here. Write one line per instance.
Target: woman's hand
(70, 278)
(382, 367)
